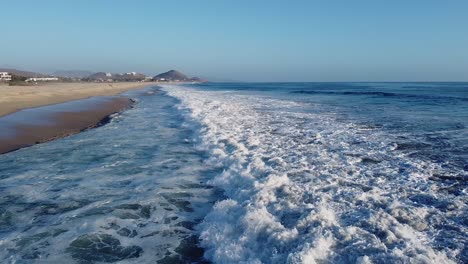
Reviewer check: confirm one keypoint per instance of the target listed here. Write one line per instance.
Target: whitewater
(305, 185)
(250, 173)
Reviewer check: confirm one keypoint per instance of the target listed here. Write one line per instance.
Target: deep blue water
(250, 173)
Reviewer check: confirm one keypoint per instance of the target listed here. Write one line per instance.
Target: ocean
(250, 173)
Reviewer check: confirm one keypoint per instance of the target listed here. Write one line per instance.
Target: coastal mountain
(176, 76)
(123, 77)
(20, 73)
(171, 75)
(72, 74)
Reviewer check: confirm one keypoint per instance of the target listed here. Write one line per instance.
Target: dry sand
(14, 98)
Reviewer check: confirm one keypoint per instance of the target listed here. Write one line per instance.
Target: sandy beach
(14, 98)
(37, 125)
(34, 114)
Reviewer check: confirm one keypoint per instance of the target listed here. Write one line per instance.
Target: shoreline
(17, 98)
(36, 114)
(33, 126)
(33, 115)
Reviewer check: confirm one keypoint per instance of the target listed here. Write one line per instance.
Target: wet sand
(37, 125)
(34, 114)
(15, 98)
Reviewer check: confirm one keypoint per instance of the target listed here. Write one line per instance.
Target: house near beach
(42, 79)
(5, 76)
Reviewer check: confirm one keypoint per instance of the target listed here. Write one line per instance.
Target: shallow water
(250, 173)
(131, 191)
(44, 115)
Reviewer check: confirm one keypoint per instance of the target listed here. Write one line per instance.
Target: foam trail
(305, 187)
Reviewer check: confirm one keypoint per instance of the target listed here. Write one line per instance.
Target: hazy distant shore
(15, 98)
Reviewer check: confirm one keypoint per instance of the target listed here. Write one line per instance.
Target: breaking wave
(307, 187)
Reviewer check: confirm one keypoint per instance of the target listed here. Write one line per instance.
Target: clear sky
(330, 40)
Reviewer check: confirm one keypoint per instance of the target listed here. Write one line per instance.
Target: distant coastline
(15, 77)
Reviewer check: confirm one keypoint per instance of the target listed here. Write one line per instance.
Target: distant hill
(72, 74)
(21, 73)
(176, 76)
(120, 77)
(171, 75)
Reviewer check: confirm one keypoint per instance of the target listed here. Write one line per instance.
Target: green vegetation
(17, 80)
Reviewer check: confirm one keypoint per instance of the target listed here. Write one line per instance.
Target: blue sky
(242, 40)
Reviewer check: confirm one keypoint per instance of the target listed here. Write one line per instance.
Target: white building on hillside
(4, 76)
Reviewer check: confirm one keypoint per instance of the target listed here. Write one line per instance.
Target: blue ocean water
(250, 173)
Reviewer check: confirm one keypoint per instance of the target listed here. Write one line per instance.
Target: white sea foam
(304, 187)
